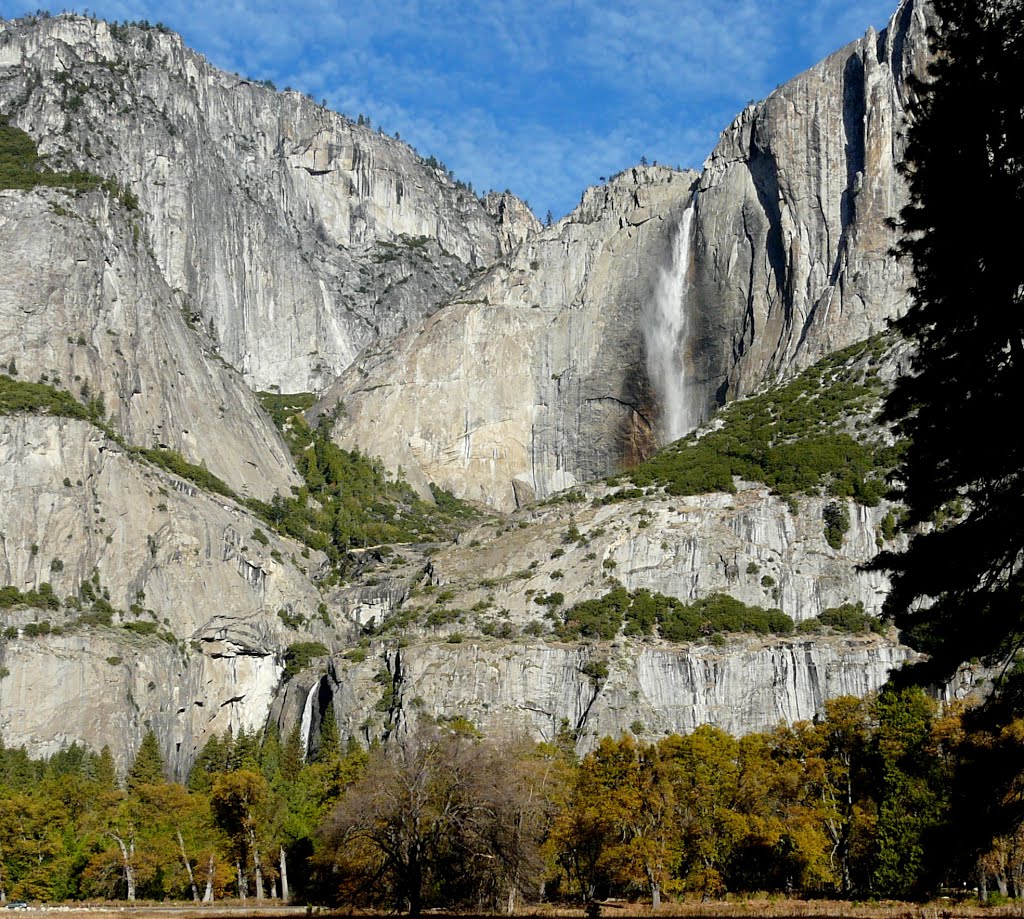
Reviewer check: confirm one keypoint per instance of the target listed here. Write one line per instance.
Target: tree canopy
(958, 589)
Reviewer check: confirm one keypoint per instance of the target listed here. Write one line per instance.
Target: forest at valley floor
(879, 799)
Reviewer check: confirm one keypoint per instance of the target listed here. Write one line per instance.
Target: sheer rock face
(536, 377)
(540, 688)
(752, 546)
(533, 378)
(84, 306)
(749, 686)
(78, 509)
(792, 255)
(296, 234)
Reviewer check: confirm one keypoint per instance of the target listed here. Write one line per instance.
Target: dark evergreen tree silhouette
(958, 590)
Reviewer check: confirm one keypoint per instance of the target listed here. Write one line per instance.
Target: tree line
(880, 797)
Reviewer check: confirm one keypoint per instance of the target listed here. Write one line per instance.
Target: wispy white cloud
(541, 99)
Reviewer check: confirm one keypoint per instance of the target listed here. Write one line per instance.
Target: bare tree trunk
(188, 866)
(257, 865)
(273, 888)
(284, 877)
(243, 883)
(208, 893)
(127, 852)
(982, 885)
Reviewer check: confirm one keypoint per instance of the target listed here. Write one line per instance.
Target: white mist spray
(665, 324)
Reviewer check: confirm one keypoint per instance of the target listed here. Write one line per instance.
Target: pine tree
(958, 590)
(106, 772)
(329, 748)
(148, 768)
(211, 762)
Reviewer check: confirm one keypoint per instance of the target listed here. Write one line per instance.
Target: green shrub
(17, 397)
(836, 518)
(140, 627)
(36, 629)
(43, 598)
(644, 613)
(598, 618)
(298, 656)
(850, 617)
(290, 619)
(442, 616)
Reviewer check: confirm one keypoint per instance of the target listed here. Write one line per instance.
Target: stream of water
(665, 325)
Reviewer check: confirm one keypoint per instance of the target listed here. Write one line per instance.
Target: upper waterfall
(666, 327)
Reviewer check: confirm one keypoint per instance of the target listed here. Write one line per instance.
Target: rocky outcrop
(172, 561)
(84, 307)
(544, 373)
(756, 547)
(515, 221)
(533, 378)
(296, 235)
(479, 638)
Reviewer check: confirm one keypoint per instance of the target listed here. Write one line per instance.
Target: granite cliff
(780, 255)
(253, 240)
(531, 379)
(294, 235)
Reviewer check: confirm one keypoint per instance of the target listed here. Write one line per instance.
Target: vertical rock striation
(793, 244)
(296, 235)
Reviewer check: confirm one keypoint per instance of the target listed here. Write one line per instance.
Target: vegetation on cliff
(22, 168)
(348, 500)
(813, 435)
(643, 612)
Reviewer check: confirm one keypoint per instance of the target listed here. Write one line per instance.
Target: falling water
(665, 323)
(307, 720)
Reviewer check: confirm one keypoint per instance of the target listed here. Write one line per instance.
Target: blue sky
(539, 97)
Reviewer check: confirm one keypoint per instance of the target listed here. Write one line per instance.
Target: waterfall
(665, 323)
(307, 719)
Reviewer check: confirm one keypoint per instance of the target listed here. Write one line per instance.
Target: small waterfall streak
(665, 324)
(307, 719)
